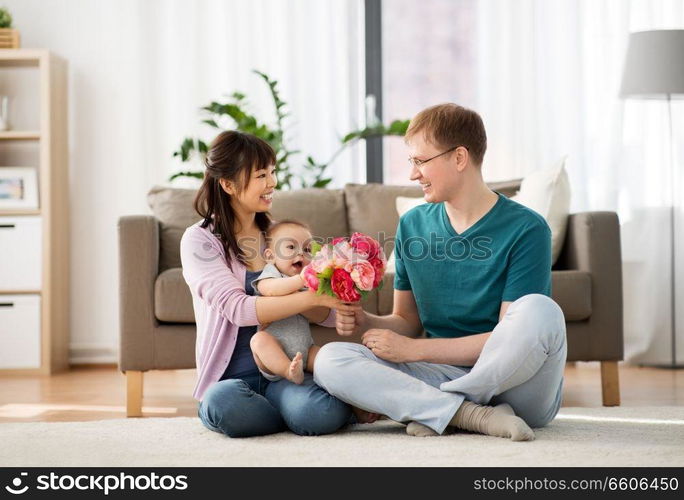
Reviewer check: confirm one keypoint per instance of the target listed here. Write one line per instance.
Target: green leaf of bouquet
(326, 274)
(315, 248)
(325, 286)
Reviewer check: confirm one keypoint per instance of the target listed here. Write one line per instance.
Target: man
(473, 269)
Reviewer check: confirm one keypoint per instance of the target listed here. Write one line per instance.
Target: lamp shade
(654, 67)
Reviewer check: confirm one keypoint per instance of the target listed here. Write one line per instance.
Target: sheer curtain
(139, 70)
(548, 81)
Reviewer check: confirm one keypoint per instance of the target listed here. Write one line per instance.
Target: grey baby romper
(293, 333)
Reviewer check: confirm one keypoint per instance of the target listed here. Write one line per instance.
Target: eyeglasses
(417, 163)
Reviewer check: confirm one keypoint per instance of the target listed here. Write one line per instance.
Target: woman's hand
(389, 345)
(348, 322)
(325, 300)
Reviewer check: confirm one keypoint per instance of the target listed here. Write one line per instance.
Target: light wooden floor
(98, 392)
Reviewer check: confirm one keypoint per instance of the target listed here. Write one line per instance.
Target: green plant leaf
(350, 136)
(196, 175)
(398, 127)
(306, 174)
(321, 183)
(5, 18)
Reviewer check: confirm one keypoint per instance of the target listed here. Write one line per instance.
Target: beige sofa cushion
(322, 209)
(173, 301)
(173, 208)
(370, 208)
(172, 298)
(572, 292)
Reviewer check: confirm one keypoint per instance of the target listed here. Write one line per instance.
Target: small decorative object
(9, 38)
(347, 268)
(18, 188)
(4, 113)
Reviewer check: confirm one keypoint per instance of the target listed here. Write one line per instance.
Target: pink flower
(335, 241)
(343, 286)
(321, 260)
(379, 270)
(310, 278)
(343, 255)
(364, 245)
(363, 274)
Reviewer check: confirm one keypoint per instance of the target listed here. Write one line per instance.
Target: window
(428, 57)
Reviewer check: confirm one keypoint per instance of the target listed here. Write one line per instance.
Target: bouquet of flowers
(347, 268)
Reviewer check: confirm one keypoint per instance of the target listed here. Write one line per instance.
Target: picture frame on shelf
(18, 188)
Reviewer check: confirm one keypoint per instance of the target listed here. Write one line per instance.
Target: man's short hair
(449, 125)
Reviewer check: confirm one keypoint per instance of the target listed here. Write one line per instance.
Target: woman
(221, 255)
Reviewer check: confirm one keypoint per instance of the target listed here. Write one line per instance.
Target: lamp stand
(673, 268)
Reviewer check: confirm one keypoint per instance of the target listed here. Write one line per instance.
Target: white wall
(139, 71)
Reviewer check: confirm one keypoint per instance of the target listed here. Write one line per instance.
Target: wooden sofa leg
(134, 388)
(610, 383)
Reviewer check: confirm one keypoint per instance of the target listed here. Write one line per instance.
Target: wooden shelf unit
(52, 144)
(12, 213)
(19, 135)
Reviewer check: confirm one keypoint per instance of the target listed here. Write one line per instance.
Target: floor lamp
(654, 69)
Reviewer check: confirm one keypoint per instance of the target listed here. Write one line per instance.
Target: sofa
(156, 313)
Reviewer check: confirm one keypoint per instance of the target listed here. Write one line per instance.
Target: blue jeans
(521, 364)
(253, 406)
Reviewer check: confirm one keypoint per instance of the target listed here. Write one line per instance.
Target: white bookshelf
(34, 243)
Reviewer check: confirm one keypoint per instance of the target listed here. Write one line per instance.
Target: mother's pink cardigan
(220, 302)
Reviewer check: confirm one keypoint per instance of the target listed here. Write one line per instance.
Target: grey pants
(521, 364)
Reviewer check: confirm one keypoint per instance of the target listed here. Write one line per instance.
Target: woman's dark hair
(233, 156)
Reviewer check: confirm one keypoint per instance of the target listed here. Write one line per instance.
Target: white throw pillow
(546, 191)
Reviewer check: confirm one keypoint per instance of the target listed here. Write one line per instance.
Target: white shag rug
(619, 436)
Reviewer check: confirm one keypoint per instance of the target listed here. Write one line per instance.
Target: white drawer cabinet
(20, 253)
(34, 242)
(19, 331)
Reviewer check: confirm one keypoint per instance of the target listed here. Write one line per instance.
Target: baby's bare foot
(295, 373)
(363, 416)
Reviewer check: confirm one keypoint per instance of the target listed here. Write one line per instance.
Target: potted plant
(9, 38)
(309, 172)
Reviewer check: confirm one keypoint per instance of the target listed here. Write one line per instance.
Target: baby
(285, 348)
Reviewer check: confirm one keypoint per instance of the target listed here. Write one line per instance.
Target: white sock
(497, 420)
(419, 430)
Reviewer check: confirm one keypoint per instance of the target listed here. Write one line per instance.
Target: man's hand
(349, 321)
(389, 345)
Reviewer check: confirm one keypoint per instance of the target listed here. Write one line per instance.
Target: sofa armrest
(138, 269)
(592, 244)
